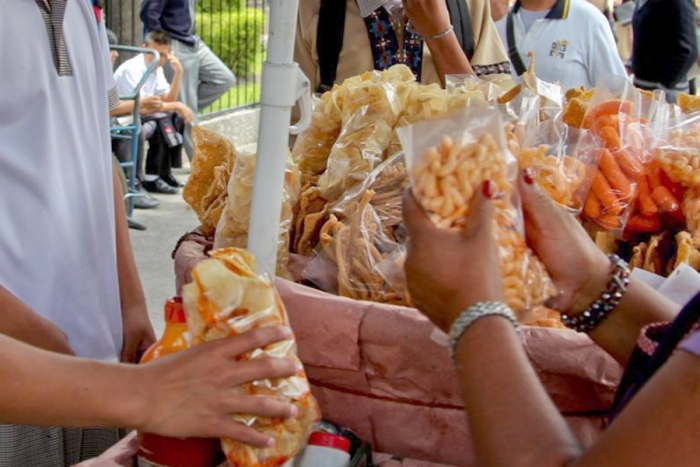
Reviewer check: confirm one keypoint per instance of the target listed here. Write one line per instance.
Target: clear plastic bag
(232, 230)
(227, 298)
(369, 113)
(351, 251)
(449, 159)
(622, 140)
(548, 149)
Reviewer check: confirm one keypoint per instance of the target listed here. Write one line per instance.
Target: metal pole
(278, 94)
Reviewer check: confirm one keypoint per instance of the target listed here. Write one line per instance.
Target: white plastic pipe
(279, 91)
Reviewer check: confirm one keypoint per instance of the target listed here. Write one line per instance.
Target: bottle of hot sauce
(162, 451)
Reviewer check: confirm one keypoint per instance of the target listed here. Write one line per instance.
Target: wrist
(439, 34)
(592, 287)
(140, 394)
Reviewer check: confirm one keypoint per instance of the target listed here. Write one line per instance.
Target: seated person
(430, 43)
(161, 129)
(122, 148)
(572, 41)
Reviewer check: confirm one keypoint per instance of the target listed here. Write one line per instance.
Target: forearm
(124, 107)
(51, 389)
(449, 57)
(640, 306)
(22, 323)
(172, 106)
(512, 420)
(174, 92)
(130, 289)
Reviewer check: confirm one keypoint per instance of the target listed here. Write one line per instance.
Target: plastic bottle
(161, 451)
(325, 450)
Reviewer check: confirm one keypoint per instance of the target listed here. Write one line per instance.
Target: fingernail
(527, 177)
(488, 189)
(286, 332)
(293, 411)
(270, 442)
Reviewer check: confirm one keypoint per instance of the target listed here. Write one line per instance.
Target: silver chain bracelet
(439, 35)
(610, 298)
(474, 313)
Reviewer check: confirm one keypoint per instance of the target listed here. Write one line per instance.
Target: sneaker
(146, 202)
(159, 186)
(136, 225)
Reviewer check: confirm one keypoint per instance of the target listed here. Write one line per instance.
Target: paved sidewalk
(152, 248)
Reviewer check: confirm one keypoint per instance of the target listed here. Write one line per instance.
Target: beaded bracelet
(601, 308)
(474, 313)
(438, 35)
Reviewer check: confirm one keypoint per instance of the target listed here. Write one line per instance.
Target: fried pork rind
(688, 103)
(574, 112)
(691, 211)
(450, 159)
(686, 251)
(232, 230)
(212, 163)
(653, 260)
(227, 298)
(370, 112)
(639, 252)
(357, 247)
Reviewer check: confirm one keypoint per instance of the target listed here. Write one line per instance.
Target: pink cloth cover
(383, 371)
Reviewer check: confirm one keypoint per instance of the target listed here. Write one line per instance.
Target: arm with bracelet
(512, 419)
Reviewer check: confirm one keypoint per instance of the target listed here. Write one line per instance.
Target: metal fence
(236, 30)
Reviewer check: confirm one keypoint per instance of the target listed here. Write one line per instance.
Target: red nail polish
(527, 176)
(488, 189)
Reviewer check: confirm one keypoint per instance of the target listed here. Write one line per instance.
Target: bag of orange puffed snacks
(449, 160)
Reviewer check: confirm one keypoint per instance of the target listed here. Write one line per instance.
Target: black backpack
(331, 27)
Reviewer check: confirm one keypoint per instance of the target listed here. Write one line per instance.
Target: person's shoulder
(308, 9)
(584, 12)
(130, 66)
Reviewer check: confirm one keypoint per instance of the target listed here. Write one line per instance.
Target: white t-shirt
(574, 46)
(129, 74)
(57, 242)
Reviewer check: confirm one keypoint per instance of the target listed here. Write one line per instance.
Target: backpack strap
(329, 40)
(462, 22)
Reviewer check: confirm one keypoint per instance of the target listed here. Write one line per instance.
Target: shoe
(159, 186)
(172, 181)
(146, 202)
(136, 225)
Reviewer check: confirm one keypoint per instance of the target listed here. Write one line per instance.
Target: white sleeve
(603, 55)
(162, 85)
(126, 79)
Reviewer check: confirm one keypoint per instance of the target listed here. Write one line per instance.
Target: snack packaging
(449, 159)
(552, 151)
(205, 191)
(232, 230)
(624, 148)
(352, 251)
(227, 298)
(370, 111)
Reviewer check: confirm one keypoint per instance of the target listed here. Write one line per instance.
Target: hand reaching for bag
(193, 393)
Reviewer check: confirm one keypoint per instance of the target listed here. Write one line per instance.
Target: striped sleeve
(113, 97)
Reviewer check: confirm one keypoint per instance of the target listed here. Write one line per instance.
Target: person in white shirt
(571, 39)
(127, 76)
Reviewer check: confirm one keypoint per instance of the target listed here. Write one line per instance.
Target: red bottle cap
(174, 311)
(328, 440)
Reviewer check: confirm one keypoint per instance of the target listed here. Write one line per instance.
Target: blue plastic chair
(132, 130)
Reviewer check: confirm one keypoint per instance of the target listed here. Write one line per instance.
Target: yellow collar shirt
(573, 44)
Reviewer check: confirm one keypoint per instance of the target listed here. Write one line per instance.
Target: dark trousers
(164, 147)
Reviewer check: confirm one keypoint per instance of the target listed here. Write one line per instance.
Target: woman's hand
(578, 268)
(428, 17)
(447, 272)
(196, 392)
